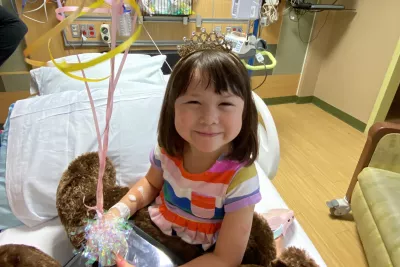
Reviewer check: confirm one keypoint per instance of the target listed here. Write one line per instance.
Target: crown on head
(204, 41)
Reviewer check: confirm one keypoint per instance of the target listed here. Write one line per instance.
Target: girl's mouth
(207, 134)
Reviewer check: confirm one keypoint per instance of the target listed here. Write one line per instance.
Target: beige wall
(315, 54)
(346, 65)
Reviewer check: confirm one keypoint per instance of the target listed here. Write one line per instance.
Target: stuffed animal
(79, 182)
(24, 256)
(78, 187)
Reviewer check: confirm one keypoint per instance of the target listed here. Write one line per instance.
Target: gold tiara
(203, 41)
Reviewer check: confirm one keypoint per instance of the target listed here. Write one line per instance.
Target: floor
(318, 156)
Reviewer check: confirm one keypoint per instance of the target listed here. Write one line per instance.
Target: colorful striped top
(192, 206)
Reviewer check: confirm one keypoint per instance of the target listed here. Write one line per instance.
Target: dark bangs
(216, 68)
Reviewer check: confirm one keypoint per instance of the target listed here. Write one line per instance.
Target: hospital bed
(48, 131)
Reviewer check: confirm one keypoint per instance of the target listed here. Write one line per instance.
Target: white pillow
(166, 78)
(48, 132)
(137, 67)
(36, 84)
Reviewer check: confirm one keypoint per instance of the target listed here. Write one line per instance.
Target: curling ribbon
(57, 29)
(63, 66)
(110, 101)
(103, 227)
(103, 147)
(66, 68)
(60, 11)
(106, 238)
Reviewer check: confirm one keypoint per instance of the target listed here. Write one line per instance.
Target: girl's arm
(232, 241)
(144, 191)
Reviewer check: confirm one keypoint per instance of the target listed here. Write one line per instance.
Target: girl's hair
(226, 72)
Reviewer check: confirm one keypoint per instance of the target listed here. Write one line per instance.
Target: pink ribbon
(62, 15)
(110, 103)
(60, 11)
(103, 146)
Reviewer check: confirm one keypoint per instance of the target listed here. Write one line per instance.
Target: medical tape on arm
(124, 209)
(138, 197)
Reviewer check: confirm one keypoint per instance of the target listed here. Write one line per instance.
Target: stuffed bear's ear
(294, 257)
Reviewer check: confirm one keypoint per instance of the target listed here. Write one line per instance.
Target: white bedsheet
(48, 132)
(51, 238)
(295, 236)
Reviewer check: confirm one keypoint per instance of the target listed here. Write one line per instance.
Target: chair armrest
(375, 134)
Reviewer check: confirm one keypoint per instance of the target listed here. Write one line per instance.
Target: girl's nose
(209, 116)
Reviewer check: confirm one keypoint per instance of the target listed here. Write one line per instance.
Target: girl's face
(206, 120)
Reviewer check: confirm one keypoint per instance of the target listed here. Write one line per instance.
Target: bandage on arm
(141, 194)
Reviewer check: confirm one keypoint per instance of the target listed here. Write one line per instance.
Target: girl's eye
(226, 104)
(193, 102)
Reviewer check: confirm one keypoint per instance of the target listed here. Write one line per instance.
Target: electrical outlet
(74, 27)
(91, 31)
(84, 30)
(105, 33)
(75, 30)
(237, 28)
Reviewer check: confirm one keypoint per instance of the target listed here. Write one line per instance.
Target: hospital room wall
(345, 67)
(289, 51)
(282, 37)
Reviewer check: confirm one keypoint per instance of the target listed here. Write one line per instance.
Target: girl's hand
(112, 214)
(122, 263)
(109, 216)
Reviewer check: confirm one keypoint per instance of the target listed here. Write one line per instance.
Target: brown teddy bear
(79, 182)
(24, 256)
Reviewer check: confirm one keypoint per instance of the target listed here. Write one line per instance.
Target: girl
(202, 170)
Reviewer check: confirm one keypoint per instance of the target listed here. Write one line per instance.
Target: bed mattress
(51, 238)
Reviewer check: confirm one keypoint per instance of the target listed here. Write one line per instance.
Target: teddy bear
(78, 186)
(13, 255)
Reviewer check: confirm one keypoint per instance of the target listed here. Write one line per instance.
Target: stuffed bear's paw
(260, 249)
(25, 256)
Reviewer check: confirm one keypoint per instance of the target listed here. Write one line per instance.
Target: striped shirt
(192, 206)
